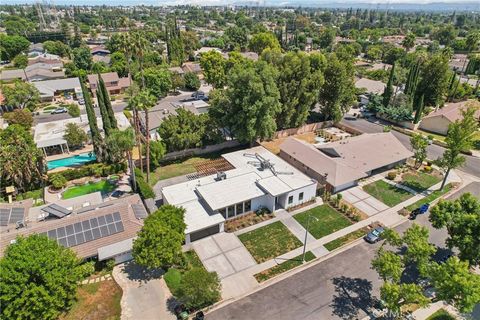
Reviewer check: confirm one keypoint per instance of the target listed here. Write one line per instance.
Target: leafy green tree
(236, 38)
(15, 25)
(419, 145)
(173, 217)
(21, 161)
(158, 81)
(461, 217)
(263, 40)
(118, 64)
(21, 117)
(73, 110)
(120, 144)
(250, 104)
(97, 140)
(418, 249)
(21, 95)
(158, 244)
(434, 80)
(472, 40)
(374, 52)
(190, 42)
(409, 41)
(39, 278)
(213, 65)
(192, 82)
(177, 81)
(395, 296)
(299, 87)
(338, 92)
(455, 284)
(107, 127)
(107, 103)
(388, 92)
(57, 47)
(445, 35)
(326, 38)
(20, 61)
(182, 131)
(157, 152)
(459, 138)
(418, 106)
(199, 288)
(12, 46)
(75, 136)
(82, 58)
(388, 265)
(144, 101)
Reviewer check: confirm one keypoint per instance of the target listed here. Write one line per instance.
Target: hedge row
(94, 169)
(142, 186)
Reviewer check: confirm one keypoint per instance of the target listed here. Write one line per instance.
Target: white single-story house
(439, 120)
(50, 88)
(339, 165)
(260, 180)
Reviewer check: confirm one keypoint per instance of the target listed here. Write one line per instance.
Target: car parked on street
(421, 210)
(59, 110)
(374, 235)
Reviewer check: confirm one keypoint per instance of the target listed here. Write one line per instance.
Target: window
(223, 212)
(239, 207)
(290, 199)
(248, 206)
(231, 211)
(300, 196)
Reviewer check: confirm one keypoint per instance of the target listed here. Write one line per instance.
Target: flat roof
(114, 249)
(198, 218)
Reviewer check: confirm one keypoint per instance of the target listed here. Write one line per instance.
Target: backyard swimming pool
(72, 161)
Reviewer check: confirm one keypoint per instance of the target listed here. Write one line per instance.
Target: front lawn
(285, 266)
(174, 169)
(420, 181)
(430, 198)
(387, 193)
(104, 186)
(174, 275)
(441, 314)
(324, 220)
(270, 241)
(99, 300)
(352, 236)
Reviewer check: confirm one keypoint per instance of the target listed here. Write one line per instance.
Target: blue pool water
(71, 161)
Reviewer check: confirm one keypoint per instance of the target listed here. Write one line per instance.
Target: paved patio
(223, 253)
(363, 201)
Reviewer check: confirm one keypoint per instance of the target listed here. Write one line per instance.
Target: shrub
(192, 82)
(110, 264)
(262, 211)
(142, 186)
(387, 128)
(427, 169)
(356, 217)
(391, 175)
(73, 110)
(58, 181)
(97, 169)
(88, 268)
(343, 208)
(199, 288)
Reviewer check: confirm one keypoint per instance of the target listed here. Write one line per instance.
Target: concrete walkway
(97, 279)
(145, 295)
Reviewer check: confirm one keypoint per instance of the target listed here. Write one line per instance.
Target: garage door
(204, 233)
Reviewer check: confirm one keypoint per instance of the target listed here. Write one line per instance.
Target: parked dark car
(200, 95)
(59, 110)
(421, 210)
(374, 235)
(181, 312)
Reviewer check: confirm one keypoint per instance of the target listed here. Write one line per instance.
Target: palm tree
(123, 142)
(144, 101)
(140, 46)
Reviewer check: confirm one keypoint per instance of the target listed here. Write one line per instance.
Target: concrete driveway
(145, 294)
(223, 253)
(363, 201)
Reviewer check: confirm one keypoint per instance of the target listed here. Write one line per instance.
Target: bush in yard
(97, 169)
(73, 110)
(391, 175)
(110, 264)
(58, 181)
(343, 208)
(427, 169)
(199, 288)
(142, 186)
(192, 82)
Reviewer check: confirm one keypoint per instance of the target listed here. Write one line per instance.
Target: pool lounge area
(72, 161)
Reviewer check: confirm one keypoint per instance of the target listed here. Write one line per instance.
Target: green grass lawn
(476, 140)
(102, 186)
(285, 266)
(387, 193)
(352, 236)
(173, 276)
(441, 314)
(420, 181)
(270, 241)
(328, 220)
(430, 198)
(434, 135)
(175, 169)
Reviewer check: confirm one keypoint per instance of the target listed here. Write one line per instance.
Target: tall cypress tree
(107, 128)
(97, 140)
(418, 106)
(388, 92)
(107, 103)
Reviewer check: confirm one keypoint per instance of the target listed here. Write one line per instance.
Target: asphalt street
(47, 117)
(471, 166)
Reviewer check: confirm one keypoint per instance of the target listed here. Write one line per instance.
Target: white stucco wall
(309, 192)
(263, 201)
(438, 124)
(345, 186)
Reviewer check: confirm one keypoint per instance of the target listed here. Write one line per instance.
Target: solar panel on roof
(4, 216)
(109, 218)
(56, 210)
(116, 216)
(139, 211)
(17, 214)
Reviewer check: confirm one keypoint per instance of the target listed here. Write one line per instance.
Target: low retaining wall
(310, 127)
(198, 151)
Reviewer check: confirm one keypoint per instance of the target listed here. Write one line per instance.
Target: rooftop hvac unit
(221, 176)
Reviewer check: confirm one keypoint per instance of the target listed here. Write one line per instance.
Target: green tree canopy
(158, 81)
(11, 46)
(57, 47)
(434, 80)
(75, 136)
(213, 66)
(388, 265)
(192, 82)
(461, 217)
(182, 131)
(199, 288)
(21, 117)
(20, 61)
(21, 161)
(419, 145)
(262, 41)
(158, 243)
(39, 278)
(157, 152)
(21, 95)
(82, 58)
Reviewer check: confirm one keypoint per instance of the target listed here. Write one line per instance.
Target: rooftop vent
(221, 176)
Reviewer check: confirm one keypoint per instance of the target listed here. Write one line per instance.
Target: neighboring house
(459, 62)
(439, 120)
(102, 230)
(35, 49)
(192, 67)
(370, 86)
(100, 54)
(248, 55)
(35, 72)
(199, 52)
(176, 70)
(113, 83)
(339, 165)
(44, 58)
(259, 179)
(50, 88)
